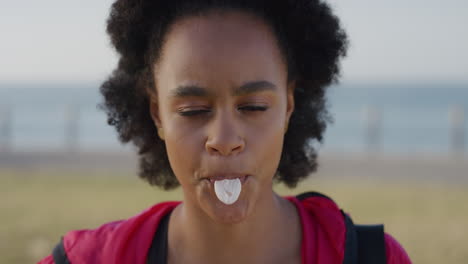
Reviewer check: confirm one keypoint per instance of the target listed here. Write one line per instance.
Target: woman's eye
(253, 108)
(193, 112)
(200, 112)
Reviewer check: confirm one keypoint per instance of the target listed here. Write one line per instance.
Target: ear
(154, 111)
(290, 102)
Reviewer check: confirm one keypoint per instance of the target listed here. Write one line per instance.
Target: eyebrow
(254, 87)
(246, 88)
(189, 90)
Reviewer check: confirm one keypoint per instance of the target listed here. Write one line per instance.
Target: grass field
(430, 220)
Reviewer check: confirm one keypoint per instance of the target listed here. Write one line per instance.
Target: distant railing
(373, 130)
(70, 131)
(457, 129)
(6, 124)
(372, 117)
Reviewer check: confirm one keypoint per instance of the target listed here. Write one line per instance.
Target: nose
(224, 137)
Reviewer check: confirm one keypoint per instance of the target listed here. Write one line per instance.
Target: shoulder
(319, 210)
(324, 221)
(323, 228)
(396, 254)
(118, 241)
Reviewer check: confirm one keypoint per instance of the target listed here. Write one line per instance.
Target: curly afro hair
(308, 33)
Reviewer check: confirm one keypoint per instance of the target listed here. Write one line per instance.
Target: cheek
(184, 148)
(266, 145)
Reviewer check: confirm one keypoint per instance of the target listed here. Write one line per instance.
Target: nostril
(212, 150)
(224, 148)
(238, 149)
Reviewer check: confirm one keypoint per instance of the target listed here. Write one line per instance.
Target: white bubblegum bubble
(228, 191)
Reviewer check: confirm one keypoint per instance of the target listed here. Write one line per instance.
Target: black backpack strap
(351, 241)
(59, 254)
(157, 253)
(371, 241)
(364, 244)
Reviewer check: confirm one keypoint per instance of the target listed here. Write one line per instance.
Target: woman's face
(223, 103)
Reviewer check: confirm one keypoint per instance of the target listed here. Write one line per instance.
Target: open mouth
(227, 187)
(212, 180)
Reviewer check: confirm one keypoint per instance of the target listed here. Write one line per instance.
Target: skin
(222, 103)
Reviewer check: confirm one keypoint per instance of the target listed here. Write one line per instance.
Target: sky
(398, 40)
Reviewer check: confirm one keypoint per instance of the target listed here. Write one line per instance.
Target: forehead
(222, 46)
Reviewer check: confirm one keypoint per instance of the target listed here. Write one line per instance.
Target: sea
(390, 117)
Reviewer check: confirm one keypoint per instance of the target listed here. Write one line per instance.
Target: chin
(228, 214)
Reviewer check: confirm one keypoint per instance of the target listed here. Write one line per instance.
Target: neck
(199, 235)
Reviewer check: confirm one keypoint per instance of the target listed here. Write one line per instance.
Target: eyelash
(253, 108)
(193, 112)
(250, 108)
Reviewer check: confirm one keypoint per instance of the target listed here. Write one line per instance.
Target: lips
(241, 177)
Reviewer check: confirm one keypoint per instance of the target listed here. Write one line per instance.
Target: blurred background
(396, 153)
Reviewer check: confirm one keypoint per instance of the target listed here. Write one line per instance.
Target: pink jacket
(128, 241)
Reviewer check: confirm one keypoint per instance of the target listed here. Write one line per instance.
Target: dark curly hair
(309, 35)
